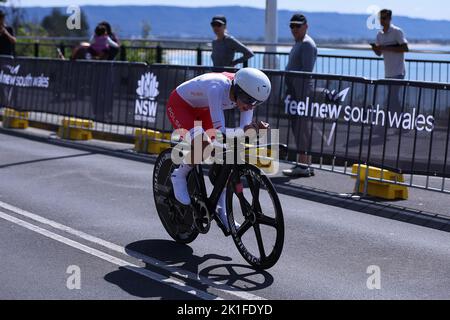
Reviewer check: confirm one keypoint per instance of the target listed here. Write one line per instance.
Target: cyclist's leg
(205, 117)
(182, 116)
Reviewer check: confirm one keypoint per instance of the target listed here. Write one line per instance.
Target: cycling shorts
(182, 115)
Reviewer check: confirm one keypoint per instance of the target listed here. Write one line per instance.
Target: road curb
(106, 136)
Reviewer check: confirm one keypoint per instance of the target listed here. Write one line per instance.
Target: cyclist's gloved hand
(257, 126)
(263, 125)
(251, 126)
(251, 131)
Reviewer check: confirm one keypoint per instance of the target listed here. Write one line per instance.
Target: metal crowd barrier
(199, 53)
(402, 126)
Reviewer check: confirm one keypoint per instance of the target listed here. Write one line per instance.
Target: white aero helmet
(252, 86)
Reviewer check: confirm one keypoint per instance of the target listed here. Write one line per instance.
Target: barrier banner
(398, 125)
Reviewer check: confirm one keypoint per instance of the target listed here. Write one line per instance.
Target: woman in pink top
(101, 42)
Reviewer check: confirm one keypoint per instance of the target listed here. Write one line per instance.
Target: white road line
(117, 248)
(104, 256)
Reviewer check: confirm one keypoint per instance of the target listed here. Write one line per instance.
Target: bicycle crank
(202, 217)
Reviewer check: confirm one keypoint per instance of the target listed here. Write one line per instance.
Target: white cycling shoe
(179, 183)
(222, 215)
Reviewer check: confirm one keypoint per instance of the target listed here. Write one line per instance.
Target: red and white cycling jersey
(212, 90)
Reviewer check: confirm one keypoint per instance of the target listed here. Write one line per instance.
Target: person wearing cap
(302, 57)
(225, 45)
(7, 39)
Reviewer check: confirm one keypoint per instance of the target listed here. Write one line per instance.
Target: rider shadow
(130, 280)
(232, 277)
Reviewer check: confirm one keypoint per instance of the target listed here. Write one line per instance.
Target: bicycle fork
(200, 209)
(246, 207)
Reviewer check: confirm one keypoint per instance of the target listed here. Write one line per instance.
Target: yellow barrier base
(13, 119)
(74, 133)
(146, 141)
(379, 189)
(77, 123)
(75, 129)
(265, 164)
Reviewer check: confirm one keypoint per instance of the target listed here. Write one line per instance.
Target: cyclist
(204, 98)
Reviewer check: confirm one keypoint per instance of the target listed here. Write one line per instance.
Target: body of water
(420, 66)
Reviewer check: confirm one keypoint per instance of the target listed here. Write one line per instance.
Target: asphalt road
(63, 209)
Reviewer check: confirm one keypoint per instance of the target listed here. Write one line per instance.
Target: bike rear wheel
(261, 247)
(176, 218)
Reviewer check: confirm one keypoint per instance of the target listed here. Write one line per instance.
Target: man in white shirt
(391, 43)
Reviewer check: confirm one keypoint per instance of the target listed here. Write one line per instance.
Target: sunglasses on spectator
(293, 25)
(384, 18)
(218, 25)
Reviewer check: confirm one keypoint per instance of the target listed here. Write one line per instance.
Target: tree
(31, 29)
(56, 25)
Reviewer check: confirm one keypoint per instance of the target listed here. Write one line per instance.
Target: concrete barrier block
(148, 141)
(13, 119)
(384, 190)
(75, 129)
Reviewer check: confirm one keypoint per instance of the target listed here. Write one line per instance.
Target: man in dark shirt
(7, 39)
(225, 46)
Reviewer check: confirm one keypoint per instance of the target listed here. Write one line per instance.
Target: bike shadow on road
(187, 266)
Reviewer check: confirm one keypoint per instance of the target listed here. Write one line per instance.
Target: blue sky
(430, 9)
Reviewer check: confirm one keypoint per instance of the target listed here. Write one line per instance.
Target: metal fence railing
(199, 53)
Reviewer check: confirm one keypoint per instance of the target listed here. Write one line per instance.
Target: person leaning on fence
(225, 45)
(113, 51)
(302, 57)
(101, 43)
(392, 45)
(7, 39)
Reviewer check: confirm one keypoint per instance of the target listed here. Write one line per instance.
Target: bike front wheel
(255, 217)
(176, 218)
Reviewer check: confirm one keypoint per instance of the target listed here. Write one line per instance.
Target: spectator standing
(7, 39)
(225, 45)
(392, 45)
(113, 51)
(101, 42)
(302, 57)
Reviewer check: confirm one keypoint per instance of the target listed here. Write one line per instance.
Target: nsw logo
(146, 104)
(12, 69)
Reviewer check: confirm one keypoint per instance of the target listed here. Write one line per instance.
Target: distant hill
(244, 22)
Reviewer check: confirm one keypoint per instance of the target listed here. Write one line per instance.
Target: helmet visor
(246, 98)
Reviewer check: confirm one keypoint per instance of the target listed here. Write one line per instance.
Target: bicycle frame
(212, 200)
